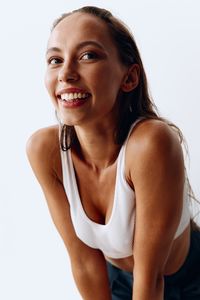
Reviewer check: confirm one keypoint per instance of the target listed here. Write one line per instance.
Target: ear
(131, 78)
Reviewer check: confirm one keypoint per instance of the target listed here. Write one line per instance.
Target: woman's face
(84, 74)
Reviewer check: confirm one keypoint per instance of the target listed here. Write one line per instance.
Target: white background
(34, 264)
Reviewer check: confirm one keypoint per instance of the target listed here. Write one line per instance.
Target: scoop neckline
(84, 214)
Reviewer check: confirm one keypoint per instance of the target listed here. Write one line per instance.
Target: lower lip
(73, 104)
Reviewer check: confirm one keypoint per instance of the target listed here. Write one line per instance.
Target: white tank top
(114, 239)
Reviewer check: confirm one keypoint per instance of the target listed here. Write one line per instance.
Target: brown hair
(136, 103)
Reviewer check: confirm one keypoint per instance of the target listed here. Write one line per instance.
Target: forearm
(148, 289)
(92, 280)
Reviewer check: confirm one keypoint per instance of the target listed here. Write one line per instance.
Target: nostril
(68, 77)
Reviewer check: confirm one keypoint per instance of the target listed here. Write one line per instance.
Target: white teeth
(72, 96)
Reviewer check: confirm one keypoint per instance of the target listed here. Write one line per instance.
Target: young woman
(112, 171)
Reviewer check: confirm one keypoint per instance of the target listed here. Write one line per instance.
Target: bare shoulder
(42, 149)
(154, 141)
(43, 139)
(155, 134)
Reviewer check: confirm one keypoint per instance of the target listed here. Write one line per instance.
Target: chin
(68, 122)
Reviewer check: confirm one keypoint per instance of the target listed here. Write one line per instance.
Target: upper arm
(84, 260)
(157, 173)
(44, 156)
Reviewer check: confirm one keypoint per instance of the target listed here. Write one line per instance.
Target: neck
(96, 146)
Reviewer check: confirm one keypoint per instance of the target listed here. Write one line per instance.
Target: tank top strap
(121, 156)
(131, 128)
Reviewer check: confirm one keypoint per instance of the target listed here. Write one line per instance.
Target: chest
(102, 207)
(96, 191)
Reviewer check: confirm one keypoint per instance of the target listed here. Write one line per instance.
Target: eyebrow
(79, 46)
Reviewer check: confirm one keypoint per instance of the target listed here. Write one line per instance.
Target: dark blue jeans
(182, 285)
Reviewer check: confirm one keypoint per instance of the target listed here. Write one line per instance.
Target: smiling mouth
(73, 97)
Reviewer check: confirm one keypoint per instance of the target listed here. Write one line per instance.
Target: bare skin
(88, 60)
(175, 260)
(44, 154)
(102, 184)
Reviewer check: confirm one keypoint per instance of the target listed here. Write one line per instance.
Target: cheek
(49, 83)
(111, 76)
(109, 84)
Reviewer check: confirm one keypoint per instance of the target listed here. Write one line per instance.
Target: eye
(89, 55)
(54, 61)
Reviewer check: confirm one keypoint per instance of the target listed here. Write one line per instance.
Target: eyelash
(95, 55)
(59, 60)
(49, 61)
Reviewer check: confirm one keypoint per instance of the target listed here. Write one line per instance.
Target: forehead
(79, 27)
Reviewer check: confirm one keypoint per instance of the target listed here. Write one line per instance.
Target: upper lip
(71, 90)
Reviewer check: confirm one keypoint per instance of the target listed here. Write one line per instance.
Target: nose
(68, 72)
